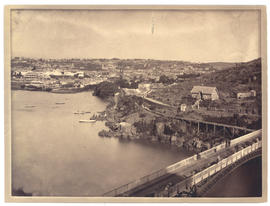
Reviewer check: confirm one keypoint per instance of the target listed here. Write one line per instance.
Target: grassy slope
(228, 81)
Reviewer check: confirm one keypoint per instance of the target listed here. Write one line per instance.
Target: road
(177, 176)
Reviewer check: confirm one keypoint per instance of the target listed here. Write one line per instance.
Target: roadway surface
(177, 176)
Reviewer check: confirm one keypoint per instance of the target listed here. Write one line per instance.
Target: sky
(197, 36)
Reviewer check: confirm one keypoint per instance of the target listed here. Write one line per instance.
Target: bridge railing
(172, 168)
(181, 163)
(200, 176)
(225, 162)
(238, 140)
(124, 188)
(254, 134)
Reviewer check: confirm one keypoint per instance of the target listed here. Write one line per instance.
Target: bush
(105, 89)
(165, 80)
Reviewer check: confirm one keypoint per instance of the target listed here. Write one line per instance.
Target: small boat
(78, 112)
(29, 106)
(82, 112)
(66, 90)
(87, 121)
(59, 102)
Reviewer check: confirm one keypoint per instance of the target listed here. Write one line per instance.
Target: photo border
(7, 102)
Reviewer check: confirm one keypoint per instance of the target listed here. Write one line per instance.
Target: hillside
(242, 77)
(236, 78)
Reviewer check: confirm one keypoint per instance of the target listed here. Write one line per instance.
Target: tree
(105, 89)
(165, 79)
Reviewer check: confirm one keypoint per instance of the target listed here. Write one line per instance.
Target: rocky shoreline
(126, 120)
(129, 117)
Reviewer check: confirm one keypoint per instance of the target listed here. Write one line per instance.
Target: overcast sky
(198, 36)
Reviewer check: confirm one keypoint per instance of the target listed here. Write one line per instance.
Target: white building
(242, 95)
(80, 74)
(30, 76)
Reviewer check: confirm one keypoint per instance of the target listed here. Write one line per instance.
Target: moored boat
(29, 106)
(82, 112)
(87, 121)
(66, 90)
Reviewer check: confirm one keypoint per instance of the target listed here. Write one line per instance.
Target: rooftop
(203, 89)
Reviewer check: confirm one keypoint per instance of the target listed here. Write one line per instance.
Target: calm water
(54, 154)
(245, 181)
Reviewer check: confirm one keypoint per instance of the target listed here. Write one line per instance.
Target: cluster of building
(201, 93)
(93, 71)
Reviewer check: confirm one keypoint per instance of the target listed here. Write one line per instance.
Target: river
(244, 181)
(55, 155)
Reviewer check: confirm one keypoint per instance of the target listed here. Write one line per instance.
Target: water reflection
(245, 181)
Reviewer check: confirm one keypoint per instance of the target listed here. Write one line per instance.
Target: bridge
(203, 188)
(229, 129)
(204, 125)
(182, 177)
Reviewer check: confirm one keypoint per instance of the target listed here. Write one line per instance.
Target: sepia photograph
(135, 103)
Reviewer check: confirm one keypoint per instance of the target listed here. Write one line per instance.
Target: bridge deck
(180, 174)
(216, 124)
(211, 181)
(157, 181)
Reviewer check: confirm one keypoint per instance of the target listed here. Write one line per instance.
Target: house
(251, 93)
(30, 76)
(204, 92)
(144, 87)
(56, 74)
(80, 75)
(131, 92)
(183, 107)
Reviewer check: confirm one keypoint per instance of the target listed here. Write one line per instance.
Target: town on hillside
(148, 98)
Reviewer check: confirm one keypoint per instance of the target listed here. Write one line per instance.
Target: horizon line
(116, 58)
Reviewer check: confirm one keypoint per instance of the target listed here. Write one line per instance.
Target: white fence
(254, 134)
(182, 163)
(224, 163)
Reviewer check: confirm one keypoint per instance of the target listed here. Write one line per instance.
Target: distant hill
(225, 65)
(220, 65)
(239, 78)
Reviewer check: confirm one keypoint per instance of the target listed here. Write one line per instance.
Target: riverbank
(83, 164)
(55, 87)
(126, 119)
